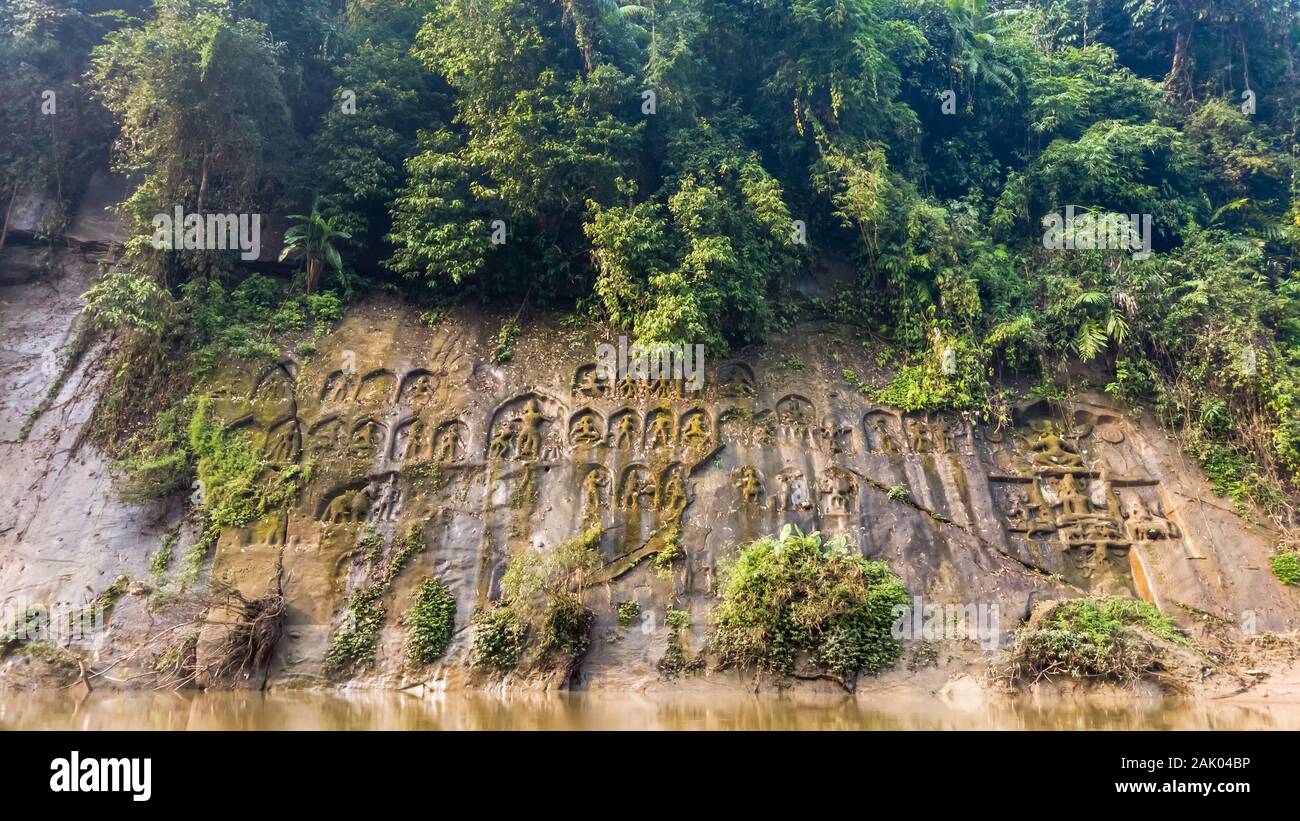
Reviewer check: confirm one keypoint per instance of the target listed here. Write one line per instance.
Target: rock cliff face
(410, 427)
(414, 441)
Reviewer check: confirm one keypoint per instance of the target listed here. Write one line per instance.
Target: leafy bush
(251, 320)
(429, 622)
(1135, 380)
(126, 299)
(163, 558)
(666, 559)
(628, 613)
(566, 627)
(923, 386)
(353, 645)
(675, 661)
(677, 620)
(542, 593)
(157, 463)
(499, 636)
(505, 341)
(1286, 566)
(1110, 639)
(792, 597)
(237, 487)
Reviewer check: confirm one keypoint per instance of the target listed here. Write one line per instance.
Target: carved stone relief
(1055, 486)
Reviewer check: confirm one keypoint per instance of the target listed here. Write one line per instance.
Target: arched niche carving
(624, 429)
(660, 430)
(673, 495)
(366, 438)
(418, 389)
(637, 489)
(324, 437)
(586, 429)
(795, 416)
(377, 387)
(838, 488)
(272, 397)
(522, 426)
(735, 380)
(339, 387)
(696, 429)
(283, 443)
(408, 440)
(597, 485)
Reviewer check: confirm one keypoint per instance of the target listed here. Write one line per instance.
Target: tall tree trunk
(9, 209)
(581, 37)
(203, 186)
(1179, 84)
(313, 273)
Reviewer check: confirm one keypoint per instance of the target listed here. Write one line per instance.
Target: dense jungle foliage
(678, 168)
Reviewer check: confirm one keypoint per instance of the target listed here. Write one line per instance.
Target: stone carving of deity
(696, 434)
(624, 431)
(750, 485)
(1053, 450)
(528, 442)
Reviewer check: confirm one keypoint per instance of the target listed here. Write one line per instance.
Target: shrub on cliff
(566, 627)
(429, 622)
(541, 592)
(498, 637)
(356, 641)
(793, 598)
(1110, 639)
(238, 488)
(1286, 566)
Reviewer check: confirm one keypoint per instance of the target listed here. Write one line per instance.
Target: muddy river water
(312, 710)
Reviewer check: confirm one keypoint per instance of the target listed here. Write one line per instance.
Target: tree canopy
(676, 169)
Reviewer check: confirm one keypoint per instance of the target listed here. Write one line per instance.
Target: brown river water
(314, 710)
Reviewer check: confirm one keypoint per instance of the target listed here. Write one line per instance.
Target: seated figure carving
(585, 432)
(695, 433)
(1074, 504)
(1053, 450)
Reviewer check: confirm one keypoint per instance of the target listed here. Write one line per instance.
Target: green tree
(383, 97)
(315, 237)
(542, 124)
(975, 47)
(196, 93)
(52, 134)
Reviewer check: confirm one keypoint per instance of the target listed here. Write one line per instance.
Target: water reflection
(307, 710)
